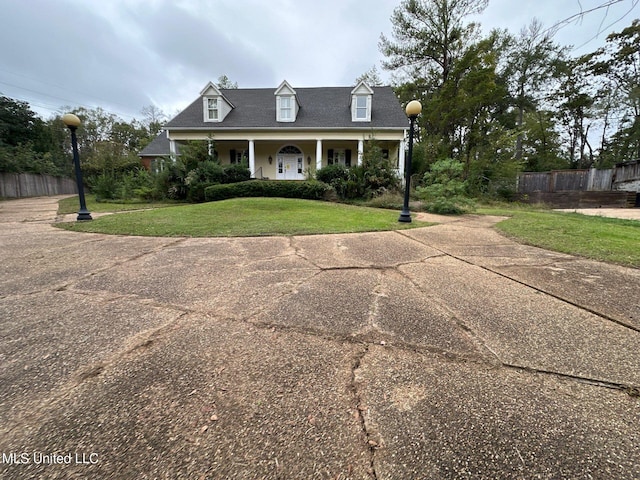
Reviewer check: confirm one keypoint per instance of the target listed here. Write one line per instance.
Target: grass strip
(72, 204)
(599, 238)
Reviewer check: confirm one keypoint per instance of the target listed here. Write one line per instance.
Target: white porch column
(360, 151)
(401, 159)
(172, 148)
(318, 154)
(252, 158)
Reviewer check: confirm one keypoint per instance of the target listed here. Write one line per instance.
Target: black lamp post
(73, 122)
(413, 109)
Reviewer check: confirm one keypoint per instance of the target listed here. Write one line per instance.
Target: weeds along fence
(18, 185)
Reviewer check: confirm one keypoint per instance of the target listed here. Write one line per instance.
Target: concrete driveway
(623, 213)
(435, 353)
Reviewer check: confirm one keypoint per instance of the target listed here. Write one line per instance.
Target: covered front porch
(295, 157)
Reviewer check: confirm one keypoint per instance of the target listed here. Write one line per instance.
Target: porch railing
(258, 174)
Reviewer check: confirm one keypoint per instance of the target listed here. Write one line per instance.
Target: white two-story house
(286, 132)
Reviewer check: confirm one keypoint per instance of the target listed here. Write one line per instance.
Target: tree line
(108, 145)
(106, 142)
(503, 103)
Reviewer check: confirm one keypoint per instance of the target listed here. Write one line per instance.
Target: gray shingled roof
(159, 146)
(324, 107)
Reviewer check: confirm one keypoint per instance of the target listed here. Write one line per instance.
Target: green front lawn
(246, 217)
(599, 238)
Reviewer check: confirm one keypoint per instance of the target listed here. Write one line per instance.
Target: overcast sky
(122, 55)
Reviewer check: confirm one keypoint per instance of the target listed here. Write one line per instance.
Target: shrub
(346, 182)
(378, 175)
(108, 158)
(123, 186)
(145, 193)
(194, 153)
(310, 190)
(391, 200)
(104, 186)
(235, 173)
(331, 173)
(170, 183)
(209, 173)
(445, 189)
(196, 191)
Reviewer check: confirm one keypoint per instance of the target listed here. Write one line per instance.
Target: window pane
(361, 107)
(212, 107)
(285, 108)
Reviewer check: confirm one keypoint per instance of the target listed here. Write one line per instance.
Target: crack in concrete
(290, 251)
(486, 353)
(374, 308)
(298, 251)
(493, 355)
(138, 343)
(147, 339)
(604, 316)
(64, 286)
(361, 410)
(503, 275)
(134, 345)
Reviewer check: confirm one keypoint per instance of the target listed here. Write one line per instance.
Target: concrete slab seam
(604, 316)
(631, 390)
(537, 289)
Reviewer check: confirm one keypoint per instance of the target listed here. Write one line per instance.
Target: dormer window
(287, 105)
(361, 99)
(213, 113)
(215, 106)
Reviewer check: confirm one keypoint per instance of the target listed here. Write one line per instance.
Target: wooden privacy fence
(624, 176)
(18, 185)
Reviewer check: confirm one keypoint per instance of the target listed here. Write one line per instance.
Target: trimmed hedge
(268, 188)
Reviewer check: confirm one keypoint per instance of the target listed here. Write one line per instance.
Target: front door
(289, 167)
